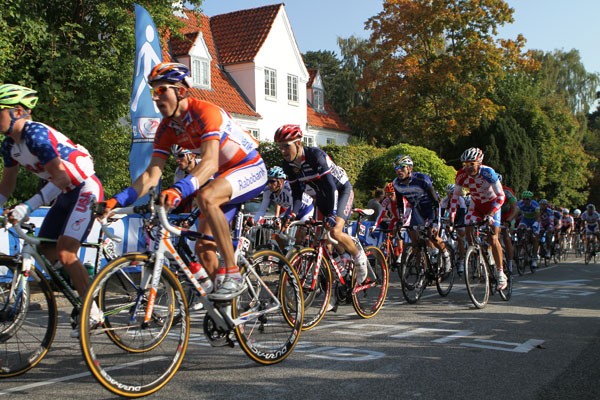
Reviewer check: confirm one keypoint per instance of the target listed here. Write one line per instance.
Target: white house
(248, 62)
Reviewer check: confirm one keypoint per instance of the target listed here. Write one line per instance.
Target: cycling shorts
(476, 213)
(420, 217)
(345, 201)
(71, 214)
(247, 182)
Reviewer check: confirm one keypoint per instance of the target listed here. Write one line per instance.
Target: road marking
(576, 282)
(72, 377)
(511, 347)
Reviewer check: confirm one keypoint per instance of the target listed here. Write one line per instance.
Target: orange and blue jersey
(202, 122)
(39, 144)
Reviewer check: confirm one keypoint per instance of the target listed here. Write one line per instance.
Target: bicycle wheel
(369, 297)
(28, 318)
(413, 275)
(445, 279)
(126, 356)
(521, 258)
(272, 309)
(476, 278)
(506, 293)
(317, 298)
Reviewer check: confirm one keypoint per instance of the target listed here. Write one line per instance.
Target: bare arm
(150, 177)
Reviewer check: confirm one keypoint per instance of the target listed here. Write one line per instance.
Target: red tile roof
(240, 34)
(328, 120)
(223, 91)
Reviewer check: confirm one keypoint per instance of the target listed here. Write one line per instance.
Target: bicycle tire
(368, 298)
(413, 277)
(125, 356)
(521, 255)
(445, 280)
(269, 338)
(476, 278)
(28, 320)
(316, 300)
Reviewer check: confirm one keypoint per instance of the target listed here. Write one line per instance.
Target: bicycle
(480, 274)
(324, 274)
(421, 269)
(392, 248)
(591, 248)
(28, 307)
(522, 244)
(141, 344)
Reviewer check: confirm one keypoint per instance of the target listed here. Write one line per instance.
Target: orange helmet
(389, 188)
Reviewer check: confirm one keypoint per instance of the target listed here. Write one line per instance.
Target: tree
(79, 56)
(434, 66)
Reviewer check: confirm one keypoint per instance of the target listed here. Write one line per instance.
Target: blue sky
(546, 24)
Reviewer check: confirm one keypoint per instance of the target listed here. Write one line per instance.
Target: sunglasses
(470, 164)
(4, 107)
(160, 90)
(270, 181)
(400, 166)
(181, 155)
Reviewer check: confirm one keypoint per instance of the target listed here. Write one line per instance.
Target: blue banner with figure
(145, 116)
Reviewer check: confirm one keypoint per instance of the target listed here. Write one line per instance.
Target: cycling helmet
(450, 187)
(276, 172)
(566, 211)
(543, 202)
(500, 177)
(472, 154)
(287, 133)
(591, 207)
(527, 195)
(389, 188)
(170, 72)
(402, 161)
(13, 95)
(177, 149)
(577, 212)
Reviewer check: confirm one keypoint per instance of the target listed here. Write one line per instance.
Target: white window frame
(201, 72)
(331, 141)
(308, 141)
(270, 83)
(319, 100)
(255, 132)
(292, 85)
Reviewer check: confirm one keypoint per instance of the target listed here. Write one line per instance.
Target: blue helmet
(170, 72)
(276, 172)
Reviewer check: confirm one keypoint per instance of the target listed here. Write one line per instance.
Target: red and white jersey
(205, 121)
(484, 187)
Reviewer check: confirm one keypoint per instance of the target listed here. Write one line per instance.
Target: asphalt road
(542, 344)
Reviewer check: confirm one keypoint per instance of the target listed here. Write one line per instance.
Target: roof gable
(250, 27)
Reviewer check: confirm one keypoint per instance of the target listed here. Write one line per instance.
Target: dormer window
(318, 100)
(201, 72)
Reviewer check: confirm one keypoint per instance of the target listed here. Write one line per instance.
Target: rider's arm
(264, 205)
(500, 196)
(8, 183)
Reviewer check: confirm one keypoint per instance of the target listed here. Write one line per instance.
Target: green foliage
(79, 56)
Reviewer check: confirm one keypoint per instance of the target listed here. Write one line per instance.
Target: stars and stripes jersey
(546, 218)
(39, 144)
(202, 122)
(484, 187)
(285, 200)
(317, 172)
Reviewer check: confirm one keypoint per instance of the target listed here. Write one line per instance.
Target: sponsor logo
(145, 128)
(252, 179)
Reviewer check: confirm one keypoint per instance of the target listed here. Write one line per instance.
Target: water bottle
(490, 258)
(202, 276)
(89, 267)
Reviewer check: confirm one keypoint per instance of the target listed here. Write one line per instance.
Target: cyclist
(69, 170)
(229, 155)
(387, 216)
(529, 213)
(186, 161)
(311, 169)
(419, 203)
(591, 219)
(508, 215)
(566, 226)
(546, 216)
(458, 220)
(279, 192)
(487, 197)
